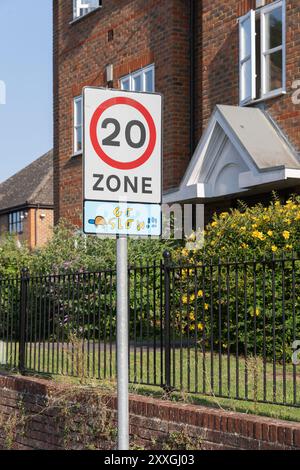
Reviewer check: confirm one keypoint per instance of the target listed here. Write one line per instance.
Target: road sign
(122, 146)
(122, 193)
(114, 218)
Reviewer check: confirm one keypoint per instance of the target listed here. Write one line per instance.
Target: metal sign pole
(122, 343)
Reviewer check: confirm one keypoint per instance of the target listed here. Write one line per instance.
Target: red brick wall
(144, 32)
(158, 31)
(218, 63)
(151, 422)
(37, 230)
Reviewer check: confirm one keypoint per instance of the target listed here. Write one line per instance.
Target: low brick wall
(152, 422)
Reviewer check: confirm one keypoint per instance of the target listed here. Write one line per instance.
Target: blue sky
(26, 69)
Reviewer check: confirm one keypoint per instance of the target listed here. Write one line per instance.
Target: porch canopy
(242, 152)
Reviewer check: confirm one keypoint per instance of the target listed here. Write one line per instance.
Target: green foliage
(250, 232)
(13, 256)
(71, 251)
(244, 307)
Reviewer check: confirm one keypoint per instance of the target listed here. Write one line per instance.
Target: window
(78, 124)
(83, 7)
(262, 53)
(15, 222)
(142, 80)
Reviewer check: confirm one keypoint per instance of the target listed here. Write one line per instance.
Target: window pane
(246, 39)
(82, 7)
(125, 84)
(149, 81)
(137, 83)
(78, 139)
(78, 112)
(273, 28)
(93, 3)
(258, 57)
(246, 80)
(273, 71)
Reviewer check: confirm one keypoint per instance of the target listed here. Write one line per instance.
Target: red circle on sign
(99, 150)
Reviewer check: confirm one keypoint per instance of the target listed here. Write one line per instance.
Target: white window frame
(141, 72)
(249, 58)
(263, 53)
(77, 125)
(79, 5)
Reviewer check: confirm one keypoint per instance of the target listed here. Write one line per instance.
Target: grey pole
(122, 343)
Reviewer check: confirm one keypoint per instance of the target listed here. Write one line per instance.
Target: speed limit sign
(122, 193)
(122, 146)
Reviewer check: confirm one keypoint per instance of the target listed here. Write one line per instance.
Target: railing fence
(222, 329)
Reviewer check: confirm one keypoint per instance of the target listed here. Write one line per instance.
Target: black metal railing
(216, 328)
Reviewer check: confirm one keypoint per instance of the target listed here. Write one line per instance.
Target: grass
(192, 375)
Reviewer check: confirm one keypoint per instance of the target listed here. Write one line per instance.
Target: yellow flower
(200, 293)
(259, 235)
(224, 215)
(254, 225)
(244, 245)
(192, 297)
(286, 235)
(185, 252)
(274, 248)
(192, 316)
(289, 247)
(206, 306)
(277, 203)
(200, 326)
(270, 233)
(255, 312)
(184, 273)
(184, 299)
(243, 229)
(266, 218)
(214, 224)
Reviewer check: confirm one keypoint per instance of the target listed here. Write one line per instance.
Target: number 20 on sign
(122, 153)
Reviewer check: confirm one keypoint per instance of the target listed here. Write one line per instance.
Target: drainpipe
(192, 75)
(35, 226)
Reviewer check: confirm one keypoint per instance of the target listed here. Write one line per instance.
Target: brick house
(26, 203)
(228, 71)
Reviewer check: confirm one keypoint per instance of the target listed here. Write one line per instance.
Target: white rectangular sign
(114, 218)
(122, 146)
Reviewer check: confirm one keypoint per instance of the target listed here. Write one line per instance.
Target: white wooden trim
(252, 57)
(265, 52)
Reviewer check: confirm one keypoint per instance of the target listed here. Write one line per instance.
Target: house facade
(26, 203)
(229, 72)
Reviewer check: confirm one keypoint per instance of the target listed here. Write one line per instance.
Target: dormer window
(262, 53)
(83, 7)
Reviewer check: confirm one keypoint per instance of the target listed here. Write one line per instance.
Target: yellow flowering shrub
(242, 303)
(251, 232)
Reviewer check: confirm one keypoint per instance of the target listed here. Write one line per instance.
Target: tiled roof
(32, 185)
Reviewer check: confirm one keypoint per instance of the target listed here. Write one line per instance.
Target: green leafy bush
(71, 251)
(246, 271)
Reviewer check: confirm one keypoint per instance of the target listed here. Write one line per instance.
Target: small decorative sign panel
(113, 218)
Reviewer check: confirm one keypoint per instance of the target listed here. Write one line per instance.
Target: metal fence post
(167, 336)
(23, 317)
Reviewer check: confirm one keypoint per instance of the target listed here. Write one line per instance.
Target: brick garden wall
(151, 422)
